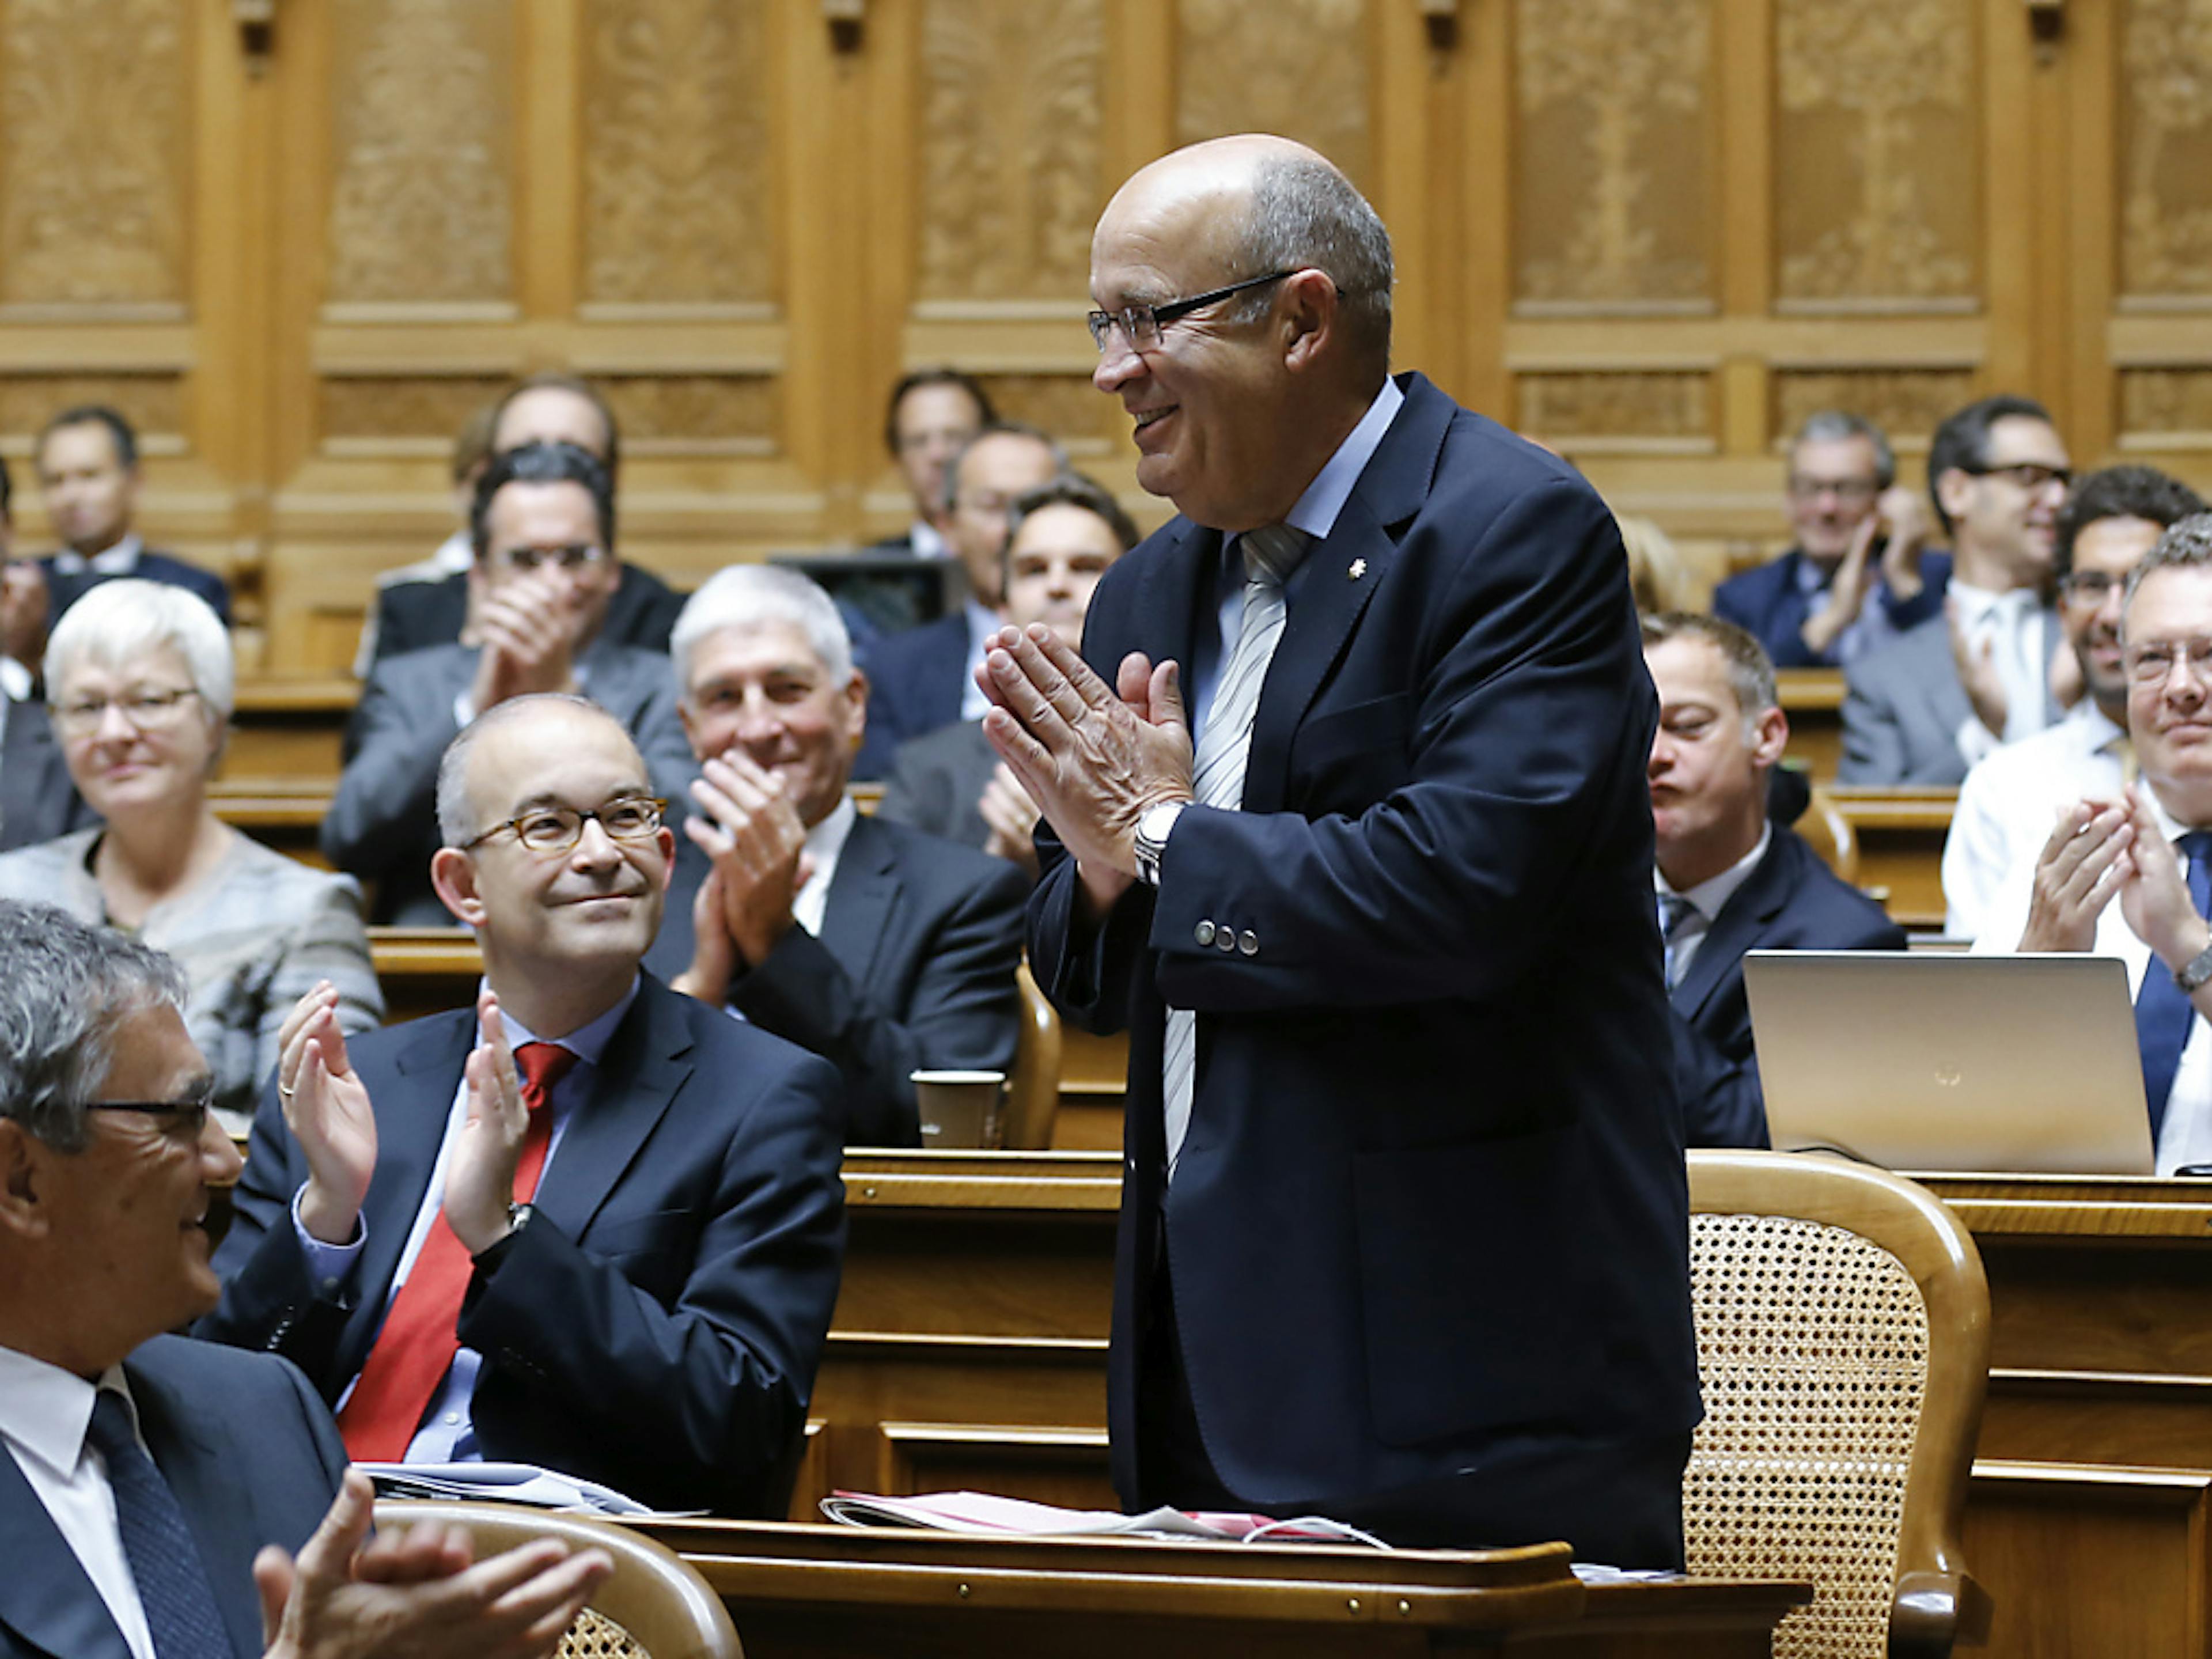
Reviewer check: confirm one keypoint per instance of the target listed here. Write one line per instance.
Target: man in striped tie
(1346, 825)
(588, 1223)
(152, 1488)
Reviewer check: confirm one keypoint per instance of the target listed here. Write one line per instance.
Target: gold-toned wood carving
(1907, 404)
(1066, 405)
(93, 152)
(1295, 67)
(1635, 403)
(419, 207)
(428, 407)
(1612, 186)
(1012, 173)
(2176, 399)
(677, 155)
(2165, 134)
(153, 403)
(704, 414)
(1876, 194)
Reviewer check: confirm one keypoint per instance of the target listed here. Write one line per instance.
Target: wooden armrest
(1936, 1610)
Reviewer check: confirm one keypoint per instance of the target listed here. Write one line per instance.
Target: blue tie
(165, 1561)
(2164, 1013)
(1677, 920)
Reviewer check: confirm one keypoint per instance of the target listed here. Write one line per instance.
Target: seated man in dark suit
(1729, 878)
(1857, 577)
(153, 1488)
(542, 523)
(1060, 538)
(38, 801)
(934, 414)
(878, 947)
(542, 410)
(590, 1224)
(924, 677)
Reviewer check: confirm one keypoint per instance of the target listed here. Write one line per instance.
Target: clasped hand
(756, 843)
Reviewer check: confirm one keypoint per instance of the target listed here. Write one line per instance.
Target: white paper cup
(958, 1108)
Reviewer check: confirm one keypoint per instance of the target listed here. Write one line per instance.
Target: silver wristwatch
(2193, 973)
(1153, 825)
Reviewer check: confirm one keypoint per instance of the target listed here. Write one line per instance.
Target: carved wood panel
(1907, 404)
(2165, 148)
(1667, 405)
(1613, 172)
(422, 152)
(153, 403)
(1066, 405)
(1877, 198)
(677, 153)
(2176, 400)
(94, 153)
(1012, 173)
(1300, 68)
(421, 408)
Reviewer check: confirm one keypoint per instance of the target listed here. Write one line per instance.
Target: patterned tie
(415, 1347)
(165, 1562)
(1677, 920)
(2164, 1013)
(1270, 553)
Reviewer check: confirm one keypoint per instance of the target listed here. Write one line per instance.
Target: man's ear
(856, 711)
(1770, 737)
(22, 1208)
(453, 877)
(1310, 316)
(1954, 490)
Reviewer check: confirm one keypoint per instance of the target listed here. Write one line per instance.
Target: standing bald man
(1404, 1233)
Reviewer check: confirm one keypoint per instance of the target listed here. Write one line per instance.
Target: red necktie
(415, 1349)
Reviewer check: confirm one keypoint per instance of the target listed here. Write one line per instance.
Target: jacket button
(1248, 943)
(1203, 933)
(1224, 939)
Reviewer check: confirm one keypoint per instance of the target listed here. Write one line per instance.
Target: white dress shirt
(2185, 1135)
(1708, 898)
(44, 1413)
(825, 844)
(120, 560)
(2011, 624)
(983, 624)
(2011, 801)
(926, 541)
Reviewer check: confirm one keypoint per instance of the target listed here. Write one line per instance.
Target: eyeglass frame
(583, 815)
(1101, 322)
(2195, 654)
(84, 718)
(193, 1113)
(1853, 492)
(2071, 584)
(2063, 476)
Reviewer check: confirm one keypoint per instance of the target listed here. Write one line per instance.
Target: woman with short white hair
(139, 684)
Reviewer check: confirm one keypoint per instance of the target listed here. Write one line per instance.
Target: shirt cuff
(328, 1264)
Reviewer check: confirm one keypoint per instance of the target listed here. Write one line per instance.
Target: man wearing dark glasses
(590, 1224)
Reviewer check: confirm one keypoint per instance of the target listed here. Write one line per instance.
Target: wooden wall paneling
(2091, 163)
(1483, 120)
(823, 122)
(2010, 186)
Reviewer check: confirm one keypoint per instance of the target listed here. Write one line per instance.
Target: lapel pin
(1359, 569)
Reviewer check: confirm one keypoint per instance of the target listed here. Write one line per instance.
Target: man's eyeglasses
(2090, 587)
(583, 556)
(1140, 326)
(2152, 662)
(557, 829)
(2030, 476)
(1851, 492)
(142, 711)
(187, 1118)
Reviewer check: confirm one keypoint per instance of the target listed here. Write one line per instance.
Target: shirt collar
(926, 541)
(1708, 898)
(2096, 730)
(588, 1042)
(120, 560)
(1317, 509)
(826, 840)
(46, 1410)
(1978, 603)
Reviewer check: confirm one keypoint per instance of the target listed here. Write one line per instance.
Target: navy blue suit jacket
(916, 678)
(1432, 1207)
(252, 1458)
(1790, 901)
(658, 1323)
(62, 592)
(1768, 603)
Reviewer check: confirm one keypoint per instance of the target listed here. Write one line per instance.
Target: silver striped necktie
(1270, 553)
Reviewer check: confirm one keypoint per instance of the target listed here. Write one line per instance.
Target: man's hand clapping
(327, 1108)
(528, 631)
(750, 829)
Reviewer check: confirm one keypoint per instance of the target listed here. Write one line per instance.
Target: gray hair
(2186, 544)
(754, 596)
(999, 429)
(1305, 213)
(65, 986)
(1829, 426)
(118, 623)
(457, 821)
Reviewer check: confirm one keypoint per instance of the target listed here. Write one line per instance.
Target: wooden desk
(289, 727)
(1900, 834)
(809, 1592)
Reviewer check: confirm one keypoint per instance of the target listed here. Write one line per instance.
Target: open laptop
(2017, 1064)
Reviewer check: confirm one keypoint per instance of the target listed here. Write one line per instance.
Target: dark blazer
(937, 779)
(914, 969)
(1431, 1209)
(658, 1323)
(38, 801)
(916, 678)
(1790, 901)
(411, 615)
(1768, 603)
(1902, 706)
(383, 822)
(250, 1453)
(64, 591)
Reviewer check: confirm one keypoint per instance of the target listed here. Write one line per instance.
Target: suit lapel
(1169, 596)
(864, 892)
(1743, 920)
(210, 1489)
(45, 1596)
(646, 1061)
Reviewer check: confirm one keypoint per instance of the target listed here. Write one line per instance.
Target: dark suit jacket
(657, 1324)
(383, 822)
(916, 679)
(62, 592)
(937, 779)
(37, 799)
(411, 615)
(1902, 706)
(914, 969)
(252, 1458)
(1431, 1208)
(1769, 603)
(1789, 902)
